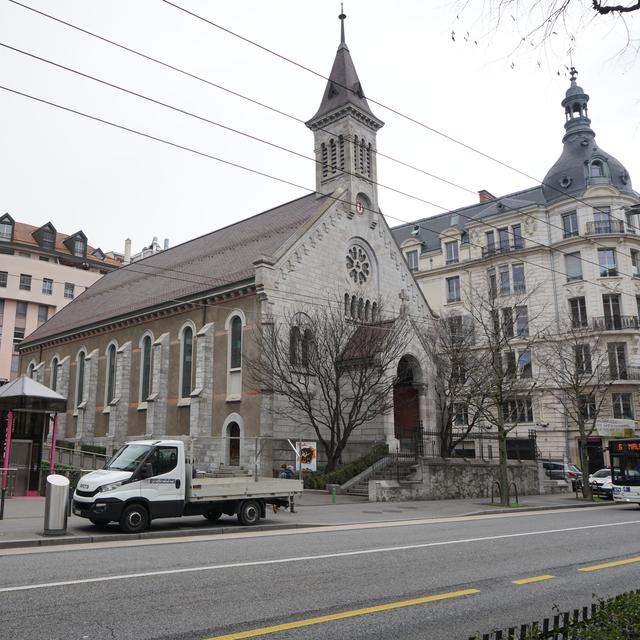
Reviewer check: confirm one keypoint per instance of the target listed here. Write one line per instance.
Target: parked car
(600, 482)
(557, 470)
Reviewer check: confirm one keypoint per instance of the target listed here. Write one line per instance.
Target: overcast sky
(81, 174)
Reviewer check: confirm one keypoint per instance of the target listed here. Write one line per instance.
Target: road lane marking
(253, 633)
(607, 565)
(306, 559)
(534, 579)
(310, 528)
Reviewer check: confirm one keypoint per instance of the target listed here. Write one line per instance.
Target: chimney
(485, 196)
(127, 251)
(166, 243)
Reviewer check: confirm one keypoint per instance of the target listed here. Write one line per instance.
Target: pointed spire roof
(343, 87)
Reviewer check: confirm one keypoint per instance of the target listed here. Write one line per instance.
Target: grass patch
(511, 505)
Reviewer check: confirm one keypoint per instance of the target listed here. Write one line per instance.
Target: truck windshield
(129, 457)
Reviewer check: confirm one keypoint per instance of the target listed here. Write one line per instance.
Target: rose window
(358, 265)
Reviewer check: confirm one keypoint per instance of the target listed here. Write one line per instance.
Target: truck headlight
(111, 486)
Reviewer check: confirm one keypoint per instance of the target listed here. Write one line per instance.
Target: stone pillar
(119, 406)
(201, 410)
(390, 428)
(157, 400)
(431, 443)
(62, 387)
(87, 408)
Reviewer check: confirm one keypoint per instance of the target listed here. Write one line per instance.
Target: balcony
(501, 249)
(616, 323)
(622, 372)
(605, 226)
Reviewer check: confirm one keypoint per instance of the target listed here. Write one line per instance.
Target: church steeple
(344, 130)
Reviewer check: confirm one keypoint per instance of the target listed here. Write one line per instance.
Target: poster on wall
(307, 457)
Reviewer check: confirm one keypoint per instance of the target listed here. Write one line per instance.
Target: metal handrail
(615, 323)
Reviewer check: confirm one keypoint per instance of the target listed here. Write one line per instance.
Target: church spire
(343, 88)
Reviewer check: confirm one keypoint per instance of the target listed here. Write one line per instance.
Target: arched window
(145, 367)
(369, 159)
(111, 373)
(361, 309)
(54, 374)
(354, 305)
(362, 150)
(80, 377)
(341, 151)
(186, 361)
(325, 160)
(332, 155)
(596, 169)
(294, 345)
(31, 368)
(355, 153)
(367, 311)
(374, 311)
(346, 304)
(233, 435)
(236, 343)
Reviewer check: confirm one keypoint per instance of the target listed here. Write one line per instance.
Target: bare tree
(507, 328)
(329, 372)
(460, 377)
(576, 374)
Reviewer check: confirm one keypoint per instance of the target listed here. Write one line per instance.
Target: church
(159, 348)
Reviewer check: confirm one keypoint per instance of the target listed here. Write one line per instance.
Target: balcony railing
(622, 372)
(596, 227)
(616, 323)
(499, 249)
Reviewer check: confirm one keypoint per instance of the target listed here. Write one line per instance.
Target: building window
(3, 278)
(583, 359)
(21, 309)
(460, 415)
(578, 309)
(453, 289)
(632, 222)
(507, 322)
(518, 410)
(570, 224)
(186, 361)
(294, 345)
(587, 406)
(412, 260)
(491, 242)
(69, 290)
(30, 369)
(80, 366)
(18, 335)
(79, 248)
(573, 265)
(493, 283)
(6, 231)
(596, 169)
(510, 364)
(519, 284)
(524, 364)
(452, 252)
(47, 239)
(236, 343)
(505, 281)
(602, 220)
(503, 239)
(25, 282)
(617, 354)
(54, 374)
(522, 321)
(607, 262)
(43, 313)
(516, 231)
(145, 367)
(635, 263)
(111, 373)
(47, 286)
(622, 405)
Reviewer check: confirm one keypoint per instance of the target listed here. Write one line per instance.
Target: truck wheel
(134, 519)
(249, 513)
(212, 515)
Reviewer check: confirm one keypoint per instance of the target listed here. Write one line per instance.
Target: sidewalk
(24, 517)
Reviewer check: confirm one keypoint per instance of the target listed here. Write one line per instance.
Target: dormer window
(6, 228)
(46, 236)
(451, 249)
(77, 244)
(596, 169)
(79, 247)
(412, 260)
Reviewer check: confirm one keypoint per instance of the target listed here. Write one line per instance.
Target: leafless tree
(576, 374)
(508, 328)
(460, 377)
(330, 370)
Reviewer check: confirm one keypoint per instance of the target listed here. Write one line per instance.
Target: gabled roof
(216, 260)
(28, 395)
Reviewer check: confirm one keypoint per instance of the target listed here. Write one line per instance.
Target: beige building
(41, 270)
(571, 248)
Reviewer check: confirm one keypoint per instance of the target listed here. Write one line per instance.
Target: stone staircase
(230, 471)
(387, 468)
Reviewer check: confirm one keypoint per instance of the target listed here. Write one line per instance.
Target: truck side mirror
(146, 471)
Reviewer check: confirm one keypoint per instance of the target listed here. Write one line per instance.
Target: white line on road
(324, 556)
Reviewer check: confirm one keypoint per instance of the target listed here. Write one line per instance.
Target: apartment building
(41, 270)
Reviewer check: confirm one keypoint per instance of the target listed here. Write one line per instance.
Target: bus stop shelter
(26, 407)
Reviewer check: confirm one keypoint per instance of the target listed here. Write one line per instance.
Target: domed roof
(582, 163)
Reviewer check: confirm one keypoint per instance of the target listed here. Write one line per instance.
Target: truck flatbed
(237, 488)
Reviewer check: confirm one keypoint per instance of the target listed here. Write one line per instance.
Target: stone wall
(452, 478)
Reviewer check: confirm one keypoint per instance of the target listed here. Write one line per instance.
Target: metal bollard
(55, 507)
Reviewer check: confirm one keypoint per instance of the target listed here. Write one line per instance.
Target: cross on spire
(342, 18)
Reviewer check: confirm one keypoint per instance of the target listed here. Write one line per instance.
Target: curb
(553, 507)
(147, 535)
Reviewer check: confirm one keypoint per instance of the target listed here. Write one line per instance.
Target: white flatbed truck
(149, 479)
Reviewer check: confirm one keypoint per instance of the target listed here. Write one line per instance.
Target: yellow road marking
(534, 579)
(607, 565)
(344, 614)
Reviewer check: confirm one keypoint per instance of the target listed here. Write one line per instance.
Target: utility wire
(255, 171)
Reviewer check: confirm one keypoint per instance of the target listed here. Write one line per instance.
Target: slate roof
(431, 228)
(218, 259)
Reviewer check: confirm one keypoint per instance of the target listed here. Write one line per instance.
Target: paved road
(334, 576)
